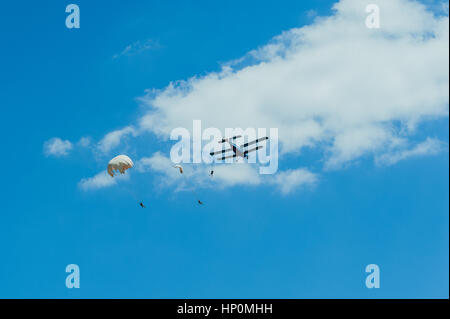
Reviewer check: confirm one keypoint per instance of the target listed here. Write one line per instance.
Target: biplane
(238, 151)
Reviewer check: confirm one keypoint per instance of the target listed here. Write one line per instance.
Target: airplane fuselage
(236, 149)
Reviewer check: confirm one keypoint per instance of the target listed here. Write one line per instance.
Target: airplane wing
(253, 149)
(255, 141)
(220, 152)
(225, 157)
(231, 138)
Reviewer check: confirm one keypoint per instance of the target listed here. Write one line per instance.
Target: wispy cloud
(224, 175)
(290, 180)
(101, 180)
(137, 48)
(430, 146)
(60, 148)
(57, 147)
(84, 142)
(113, 139)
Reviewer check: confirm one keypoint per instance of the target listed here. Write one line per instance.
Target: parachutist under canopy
(119, 163)
(180, 168)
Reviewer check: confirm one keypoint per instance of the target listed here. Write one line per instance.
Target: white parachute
(119, 163)
(179, 167)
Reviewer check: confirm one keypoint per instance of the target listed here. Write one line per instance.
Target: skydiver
(142, 205)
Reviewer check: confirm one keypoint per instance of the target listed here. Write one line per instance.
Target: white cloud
(290, 180)
(168, 174)
(348, 91)
(57, 147)
(157, 162)
(237, 174)
(225, 175)
(335, 84)
(84, 142)
(430, 146)
(356, 142)
(101, 180)
(137, 48)
(162, 165)
(113, 139)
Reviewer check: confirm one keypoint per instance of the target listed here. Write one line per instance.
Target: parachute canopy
(119, 163)
(179, 167)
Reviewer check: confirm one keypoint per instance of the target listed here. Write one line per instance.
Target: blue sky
(247, 241)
